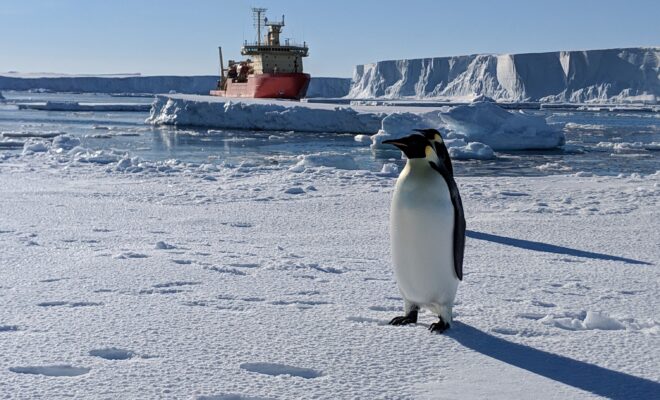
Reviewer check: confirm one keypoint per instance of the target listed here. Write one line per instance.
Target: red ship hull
(270, 86)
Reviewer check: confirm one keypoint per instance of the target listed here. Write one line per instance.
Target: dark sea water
(602, 143)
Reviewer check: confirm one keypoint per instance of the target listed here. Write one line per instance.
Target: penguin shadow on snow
(579, 374)
(548, 248)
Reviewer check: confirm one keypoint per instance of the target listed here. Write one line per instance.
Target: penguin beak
(396, 143)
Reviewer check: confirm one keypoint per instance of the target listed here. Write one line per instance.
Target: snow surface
(613, 75)
(474, 130)
(130, 279)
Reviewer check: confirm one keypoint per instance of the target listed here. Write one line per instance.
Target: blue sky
(181, 37)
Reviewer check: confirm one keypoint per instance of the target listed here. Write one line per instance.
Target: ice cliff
(616, 75)
(109, 84)
(328, 87)
(318, 87)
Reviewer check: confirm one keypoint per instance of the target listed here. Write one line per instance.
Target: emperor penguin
(427, 232)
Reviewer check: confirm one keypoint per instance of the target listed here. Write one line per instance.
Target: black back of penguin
(459, 218)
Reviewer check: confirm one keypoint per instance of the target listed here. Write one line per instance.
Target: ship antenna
(258, 21)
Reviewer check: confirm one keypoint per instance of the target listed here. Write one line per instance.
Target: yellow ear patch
(428, 150)
(438, 138)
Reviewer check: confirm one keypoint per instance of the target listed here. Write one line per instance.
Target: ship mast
(257, 13)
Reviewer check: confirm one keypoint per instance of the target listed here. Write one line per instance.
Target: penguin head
(413, 146)
(432, 135)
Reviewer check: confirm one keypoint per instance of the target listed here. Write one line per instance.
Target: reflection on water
(602, 143)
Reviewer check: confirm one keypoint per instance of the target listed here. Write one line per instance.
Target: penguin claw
(439, 327)
(403, 320)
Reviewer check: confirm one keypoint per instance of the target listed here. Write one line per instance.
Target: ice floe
(482, 126)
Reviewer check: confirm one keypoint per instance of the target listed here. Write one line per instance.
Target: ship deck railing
(249, 48)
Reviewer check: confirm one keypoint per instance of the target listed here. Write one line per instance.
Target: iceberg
(500, 129)
(613, 75)
(261, 114)
(478, 128)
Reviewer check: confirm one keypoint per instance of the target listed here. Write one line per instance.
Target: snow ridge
(613, 75)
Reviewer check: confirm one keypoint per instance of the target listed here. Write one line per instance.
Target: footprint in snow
(294, 190)
(72, 304)
(253, 299)
(231, 396)
(164, 246)
(195, 303)
(225, 270)
(112, 353)
(8, 328)
(245, 265)
(129, 254)
(386, 308)
(514, 300)
(51, 370)
(362, 320)
(275, 369)
(52, 280)
(240, 224)
(161, 291)
(175, 284)
(533, 316)
(513, 194)
(182, 262)
(304, 293)
(298, 303)
(84, 304)
(505, 331)
(543, 304)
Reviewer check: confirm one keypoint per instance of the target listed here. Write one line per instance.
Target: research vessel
(271, 69)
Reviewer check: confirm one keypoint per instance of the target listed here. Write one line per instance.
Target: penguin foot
(439, 326)
(410, 318)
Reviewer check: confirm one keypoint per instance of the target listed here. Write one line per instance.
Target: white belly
(421, 230)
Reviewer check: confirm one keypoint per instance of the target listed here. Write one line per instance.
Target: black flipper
(459, 218)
